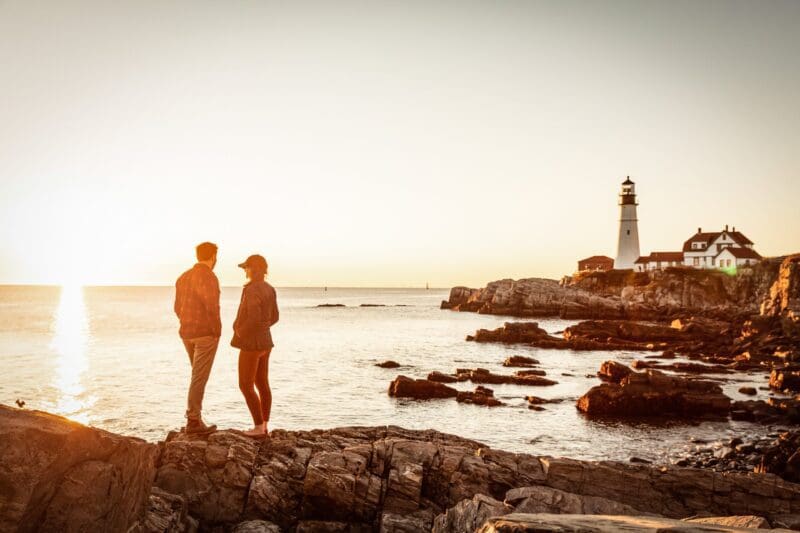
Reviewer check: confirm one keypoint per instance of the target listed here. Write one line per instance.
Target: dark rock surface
(653, 393)
(384, 479)
(58, 475)
(421, 389)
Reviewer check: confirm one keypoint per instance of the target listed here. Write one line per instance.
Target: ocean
(111, 357)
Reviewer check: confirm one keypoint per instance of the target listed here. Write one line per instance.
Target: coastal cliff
(67, 477)
(770, 286)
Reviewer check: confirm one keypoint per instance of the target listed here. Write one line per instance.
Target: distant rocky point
(771, 287)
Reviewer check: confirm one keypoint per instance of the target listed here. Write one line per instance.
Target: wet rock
(512, 332)
(420, 389)
(751, 391)
(613, 371)
(535, 400)
(441, 377)
(468, 515)
(618, 330)
(58, 475)
(686, 368)
(531, 372)
(653, 393)
(481, 396)
(520, 361)
(483, 376)
(388, 364)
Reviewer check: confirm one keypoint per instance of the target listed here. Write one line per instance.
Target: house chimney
(734, 229)
(726, 227)
(699, 230)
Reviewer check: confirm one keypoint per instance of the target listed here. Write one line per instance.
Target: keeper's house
(726, 249)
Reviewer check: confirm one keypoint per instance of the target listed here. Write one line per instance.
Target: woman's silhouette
(258, 311)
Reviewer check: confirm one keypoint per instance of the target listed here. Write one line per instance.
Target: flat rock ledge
(568, 523)
(57, 475)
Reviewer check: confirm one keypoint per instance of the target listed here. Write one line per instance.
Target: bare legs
(254, 375)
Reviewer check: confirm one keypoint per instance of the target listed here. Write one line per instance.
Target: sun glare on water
(70, 339)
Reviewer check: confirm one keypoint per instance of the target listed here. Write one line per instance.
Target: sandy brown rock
(58, 475)
(744, 522)
(576, 523)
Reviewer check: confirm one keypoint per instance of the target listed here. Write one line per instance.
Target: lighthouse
(628, 243)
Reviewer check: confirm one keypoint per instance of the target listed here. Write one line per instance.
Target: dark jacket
(197, 303)
(258, 311)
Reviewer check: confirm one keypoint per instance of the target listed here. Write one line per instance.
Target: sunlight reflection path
(70, 339)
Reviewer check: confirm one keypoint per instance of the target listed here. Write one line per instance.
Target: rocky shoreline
(60, 475)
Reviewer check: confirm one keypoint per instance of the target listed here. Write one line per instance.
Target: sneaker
(198, 427)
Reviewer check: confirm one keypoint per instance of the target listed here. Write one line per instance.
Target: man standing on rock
(197, 306)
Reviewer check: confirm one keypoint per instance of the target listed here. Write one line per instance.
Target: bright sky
(388, 143)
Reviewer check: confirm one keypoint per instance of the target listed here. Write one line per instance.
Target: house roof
(643, 259)
(596, 258)
(741, 253)
(666, 256)
(708, 237)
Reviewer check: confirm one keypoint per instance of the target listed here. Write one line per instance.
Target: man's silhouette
(197, 306)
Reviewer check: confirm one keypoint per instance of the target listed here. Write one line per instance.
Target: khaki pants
(201, 356)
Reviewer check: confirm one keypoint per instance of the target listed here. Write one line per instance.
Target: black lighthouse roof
(628, 181)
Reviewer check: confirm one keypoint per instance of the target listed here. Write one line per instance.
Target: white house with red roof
(718, 249)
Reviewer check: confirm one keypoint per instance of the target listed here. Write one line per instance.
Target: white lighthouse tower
(628, 243)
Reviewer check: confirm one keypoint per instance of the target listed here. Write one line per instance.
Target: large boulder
(58, 475)
(653, 393)
(420, 389)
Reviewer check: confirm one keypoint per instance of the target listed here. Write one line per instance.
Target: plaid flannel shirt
(197, 303)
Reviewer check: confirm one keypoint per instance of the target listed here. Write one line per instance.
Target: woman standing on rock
(258, 311)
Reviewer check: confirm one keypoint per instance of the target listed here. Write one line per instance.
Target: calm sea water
(111, 357)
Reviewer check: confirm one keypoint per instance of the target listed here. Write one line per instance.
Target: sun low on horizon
(429, 145)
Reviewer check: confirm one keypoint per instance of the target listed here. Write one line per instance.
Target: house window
(696, 261)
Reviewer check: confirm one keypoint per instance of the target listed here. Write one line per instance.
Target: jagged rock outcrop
(653, 393)
(58, 475)
(347, 479)
(659, 295)
(784, 296)
(391, 479)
